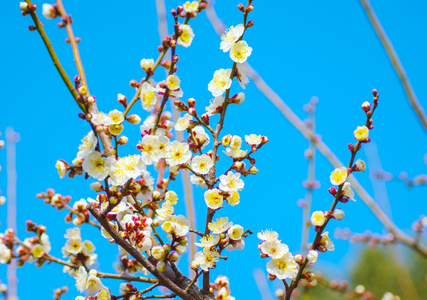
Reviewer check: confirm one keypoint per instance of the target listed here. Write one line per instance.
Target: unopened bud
(161, 266)
(191, 102)
(134, 83)
(250, 24)
(226, 140)
(194, 265)
(366, 106)
(253, 170)
(97, 186)
(299, 258)
(271, 277)
(133, 119)
(205, 118)
(173, 256)
(192, 111)
(359, 166)
(338, 214)
(82, 90)
(250, 8)
(90, 100)
(156, 195)
(123, 140)
(312, 256)
(122, 100)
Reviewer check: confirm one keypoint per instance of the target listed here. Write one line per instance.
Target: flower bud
(158, 252)
(23, 5)
(309, 276)
(226, 140)
(338, 214)
(161, 266)
(133, 119)
(359, 166)
(191, 102)
(82, 90)
(250, 24)
(90, 100)
(156, 195)
(192, 111)
(97, 186)
(205, 118)
(312, 256)
(123, 140)
(271, 277)
(173, 256)
(194, 265)
(366, 106)
(167, 248)
(299, 258)
(253, 170)
(181, 249)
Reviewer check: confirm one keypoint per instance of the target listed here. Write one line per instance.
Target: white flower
(253, 139)
(235, 153)
(338, 176)
(147, 64)
(201, 136)
(284, 267)
(240, 51)
(164, 212)
(230, 36)
(338, 214)
(103, 294)
(197, 181)
(202, 164)
(213, 198)
(81, 278)
(101, 118)
(116, 116)
(191, 7)
(148, 96)
(231, 182)
(221, 225)
(127, 168)
(360, 165)
(177, 153)
(93, 283)
(150, 149)
(220, 82)
(235, 143)
(171, 197)
(312, 256)
(268, 235)
(347, 191)
(242, 73)
(2, 200)
(234, 198)
(235, 232)
(236, 245)
(326, 241)
(207, 259)
(318, 218)
(208, 241)
(215, 106)
(62, 168)
(183, 123)
(171, 83)
(389, 296)
(187, 35)
(48, 11)
(5, 254)
(274, 248)
(88, 145)
(97, 166)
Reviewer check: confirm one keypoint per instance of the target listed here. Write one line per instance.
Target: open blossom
(173, 83)
(231, 182)
(327, 242)
(338, 176)
(147, 64)
(221, 225)
(235, 232)
(191, 7)
(81, 278)
(101, 118)
(318, 218)
(361, 133)
(240, 51)
(201, 136)
(234, 198)
(274, 249)
(198, 181)
(183, 123)
(220, 82)
(93, 283)
(88, 145)
(215, 106)
(148, 96)
(150, 148)
(171, 197)
(97, 166)
(347, 191)
(177, 153)
(187, 35)
(284, 267)
(5, 254)
(236, 142)
(242, 72)
(268, 235)
(359, 165)
(253, 139)
(235, 153)
(164, 212)
(207, 259)
(202, 164)
(127, 168)
(213, 198)
(180, 224)
(116, 116)
(230, 36)
(208, 241)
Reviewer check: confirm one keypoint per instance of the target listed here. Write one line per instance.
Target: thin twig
(395, 61)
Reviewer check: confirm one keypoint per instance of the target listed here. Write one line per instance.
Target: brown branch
(169, 279)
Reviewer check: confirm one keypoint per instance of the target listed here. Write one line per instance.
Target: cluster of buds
(56, 200)
(57, 293)
(372, 239)
(221, 288)
(130, 265)
(169, 252)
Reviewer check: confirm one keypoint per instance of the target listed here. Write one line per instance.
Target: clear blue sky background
(301, 48)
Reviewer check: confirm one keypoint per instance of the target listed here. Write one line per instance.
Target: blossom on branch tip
(49, 11)
(268, 235)
(147, 64)
(338, 176)
(187, 35)
(253, 139)
(191, 7)
(62, 168)
(230, 36)
(220, 82)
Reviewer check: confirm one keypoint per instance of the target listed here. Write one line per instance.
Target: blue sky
(300, 48)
